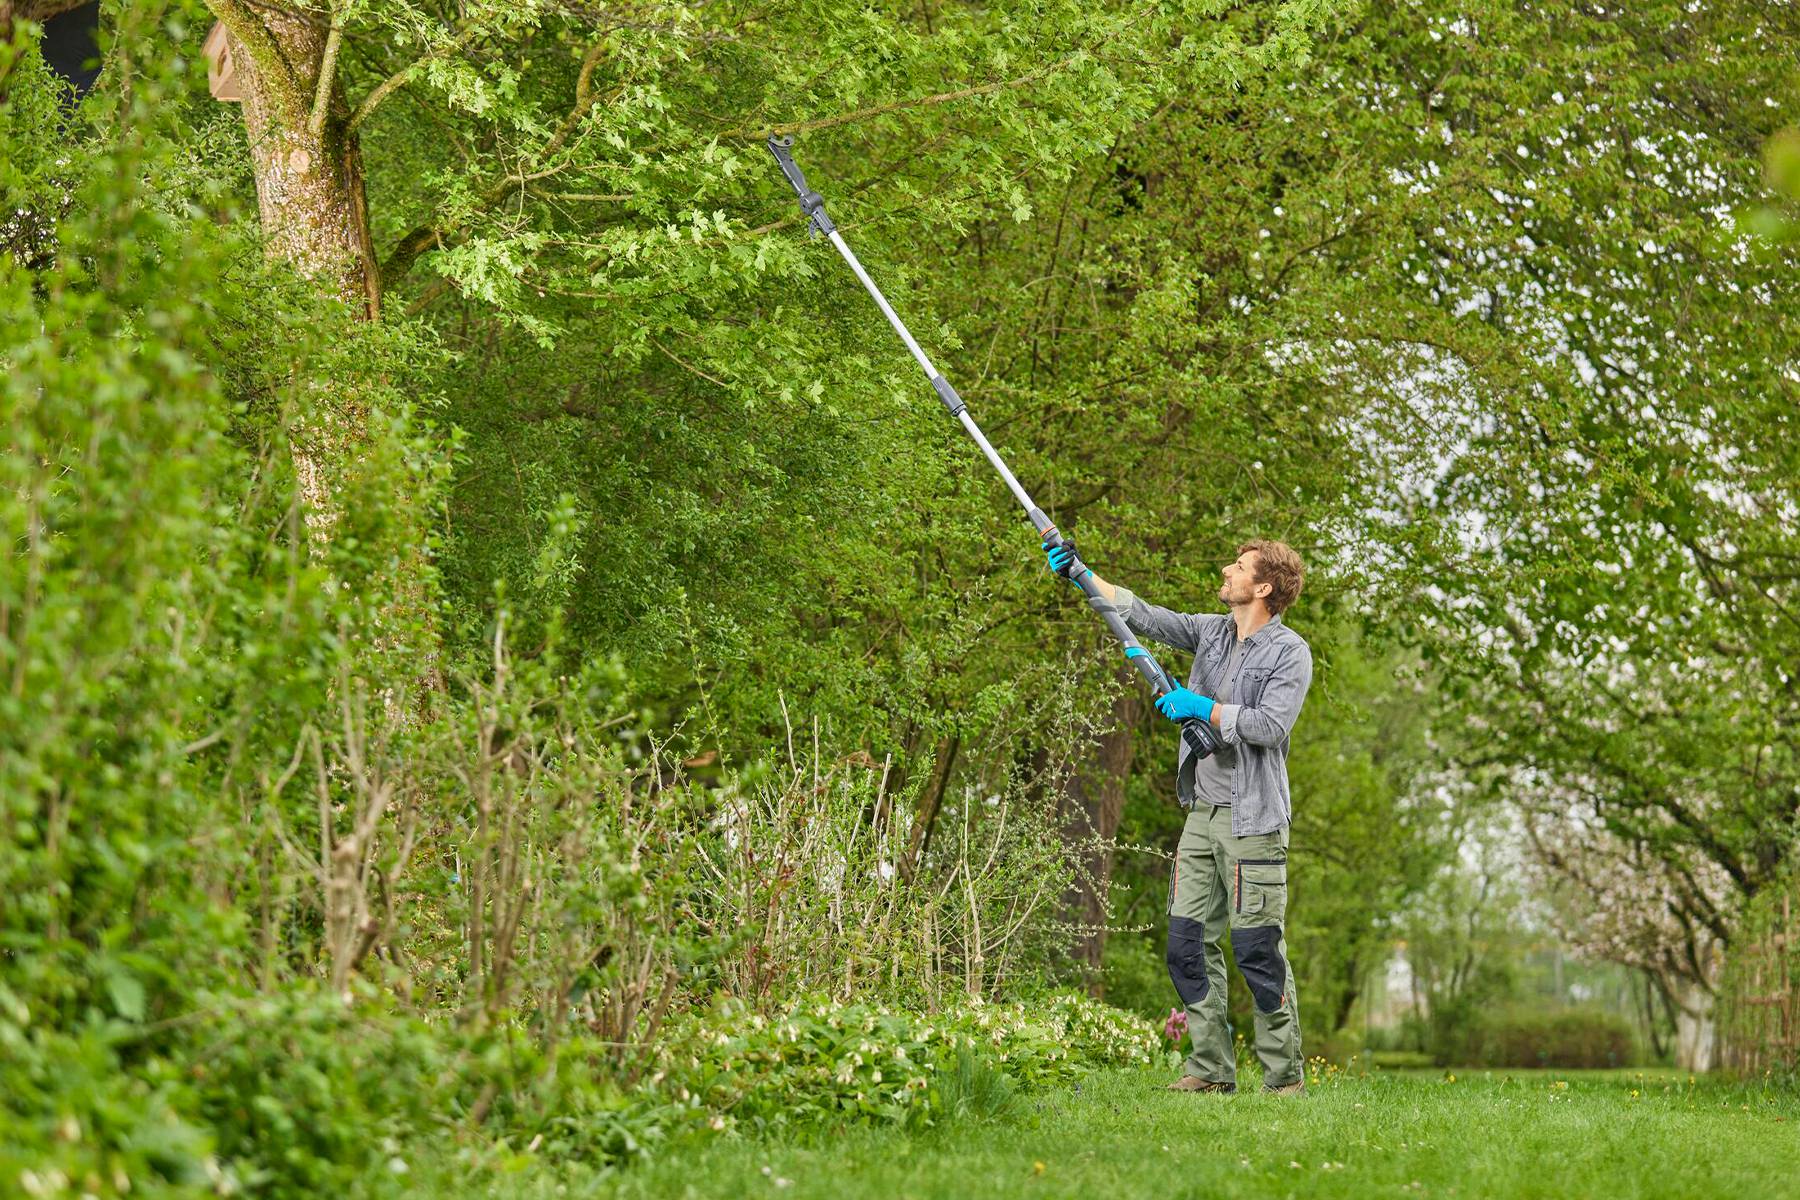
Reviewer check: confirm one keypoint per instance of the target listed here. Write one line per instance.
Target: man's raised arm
(1165, 625)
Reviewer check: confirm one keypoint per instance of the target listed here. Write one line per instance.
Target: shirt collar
(1263, 634)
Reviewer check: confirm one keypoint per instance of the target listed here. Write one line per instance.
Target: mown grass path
(1486, 1134)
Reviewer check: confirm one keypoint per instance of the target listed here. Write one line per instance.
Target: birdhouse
(221, 75)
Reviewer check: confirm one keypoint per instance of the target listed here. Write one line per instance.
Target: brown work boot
(1287, 1089)
(1193, 1083)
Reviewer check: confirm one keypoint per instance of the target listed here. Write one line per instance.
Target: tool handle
(1200, 736)
(1202, 739)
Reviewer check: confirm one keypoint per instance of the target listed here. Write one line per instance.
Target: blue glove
(1061, 557)
(1181, 704)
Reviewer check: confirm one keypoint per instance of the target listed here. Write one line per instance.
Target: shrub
(876, 918)
(1571, 1037)
(73, 1123)
(307, 1096)
(826, 1063)
(1340, 1047)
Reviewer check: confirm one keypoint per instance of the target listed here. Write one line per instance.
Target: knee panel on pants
(1187, 959)
(1258, 953)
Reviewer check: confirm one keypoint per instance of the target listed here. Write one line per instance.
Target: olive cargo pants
(1219, 882)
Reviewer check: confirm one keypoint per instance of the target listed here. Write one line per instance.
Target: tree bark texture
(308, 167)
(1092, 803)
(309, 193)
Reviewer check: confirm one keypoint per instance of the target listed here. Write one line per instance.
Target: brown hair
(1278, 566)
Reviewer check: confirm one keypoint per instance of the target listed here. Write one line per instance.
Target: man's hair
(1278, 566)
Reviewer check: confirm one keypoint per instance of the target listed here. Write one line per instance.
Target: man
(1248, 681)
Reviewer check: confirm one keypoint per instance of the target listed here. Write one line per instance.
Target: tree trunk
(309, 193)
(1347, 996)
(1093, 801)
(1696, 1037)
(930, 804)
(308, 167)
(1652, 1027)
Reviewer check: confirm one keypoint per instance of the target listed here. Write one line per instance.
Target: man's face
(1240, 586)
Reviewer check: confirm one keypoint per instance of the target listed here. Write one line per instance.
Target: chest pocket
(1209, 668)
(1251, 682)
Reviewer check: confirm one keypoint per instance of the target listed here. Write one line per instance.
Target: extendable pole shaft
(957, 407)
(1199, 735)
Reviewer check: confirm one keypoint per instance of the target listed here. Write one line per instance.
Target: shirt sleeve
(1272, 717)
(1184, 631)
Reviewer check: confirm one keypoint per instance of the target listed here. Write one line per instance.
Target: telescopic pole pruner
(1199, 736)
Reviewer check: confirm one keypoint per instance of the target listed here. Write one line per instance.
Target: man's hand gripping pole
(1200, 736)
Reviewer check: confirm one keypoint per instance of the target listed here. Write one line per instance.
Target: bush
(73, 1123)
(307, 1096)
(827, 1063)
(1339, 1047)
(1571, 1037)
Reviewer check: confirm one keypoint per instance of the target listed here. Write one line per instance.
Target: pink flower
(1175, 1028)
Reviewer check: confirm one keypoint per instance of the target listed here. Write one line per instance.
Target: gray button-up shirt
(1273, 675)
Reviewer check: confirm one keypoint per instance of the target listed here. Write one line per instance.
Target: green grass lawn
(1483, 1134)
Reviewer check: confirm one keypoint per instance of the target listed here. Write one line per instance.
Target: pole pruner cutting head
(811, 203)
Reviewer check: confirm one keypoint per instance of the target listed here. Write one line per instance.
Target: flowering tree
(1667, 915)
(1601, 523)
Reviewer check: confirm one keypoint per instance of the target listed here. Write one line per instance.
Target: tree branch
(327, 75)
(681, 362)
(425, 236)
(421, 239)
(404, 76)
